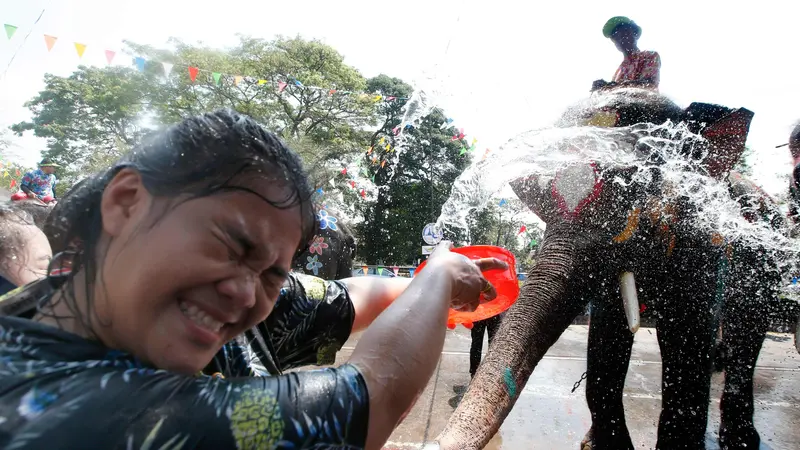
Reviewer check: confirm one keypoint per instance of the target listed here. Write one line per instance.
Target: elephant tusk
(630, 301)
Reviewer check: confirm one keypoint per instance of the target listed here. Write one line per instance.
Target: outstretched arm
(372, 295)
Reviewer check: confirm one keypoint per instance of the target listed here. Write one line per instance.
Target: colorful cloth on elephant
(39, 183)
(640, 66)
(58, 390)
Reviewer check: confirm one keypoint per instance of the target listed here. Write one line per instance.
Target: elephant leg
(685, 336)
(746, 323)
(476, 347)
(608, 355)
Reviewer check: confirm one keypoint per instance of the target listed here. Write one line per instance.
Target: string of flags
(218, 78)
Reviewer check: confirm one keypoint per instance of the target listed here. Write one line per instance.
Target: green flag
(380, 271)
(216, 76)
(463, 150)
(10, 30)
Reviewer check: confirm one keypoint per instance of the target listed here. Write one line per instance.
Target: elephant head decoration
(616, 232)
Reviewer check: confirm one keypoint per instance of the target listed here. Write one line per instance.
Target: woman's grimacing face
(180, 279)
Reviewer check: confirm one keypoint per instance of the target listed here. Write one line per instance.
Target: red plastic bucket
(504, 281)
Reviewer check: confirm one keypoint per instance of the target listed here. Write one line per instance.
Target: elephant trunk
(531, 326)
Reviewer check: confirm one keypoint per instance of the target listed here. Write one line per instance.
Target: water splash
(644, 147)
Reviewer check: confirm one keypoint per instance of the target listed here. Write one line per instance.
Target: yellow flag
(377, 98)
(260, 82)
(383, 139)
(80, 48)
(5, 174)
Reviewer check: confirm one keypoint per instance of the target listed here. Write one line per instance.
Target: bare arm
(399, 351)
(372, 295)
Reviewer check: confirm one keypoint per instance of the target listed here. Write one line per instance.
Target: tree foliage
(303, 91)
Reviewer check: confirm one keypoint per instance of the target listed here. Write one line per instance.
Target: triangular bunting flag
(332, 91)
(50, 41)
(333, 183)
(363, 193)
(18, 173)
(365, 269)
(380, 271)
(298, 83)
(377, 98)
(80, 48)
(522, 229)
(13, 183)
(167, 68)
(10, 30)
(110, 56)
(236, 80)
(395, 269)
(216, 76)
(139, 63)
(193, 73)
(411, 272)
(502, 202)
(260, 82)
(388, 99)
(281, 86)
(5, 174)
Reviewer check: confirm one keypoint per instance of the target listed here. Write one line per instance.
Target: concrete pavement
(548, 415)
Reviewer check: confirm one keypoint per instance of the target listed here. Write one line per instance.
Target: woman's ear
(124, 200)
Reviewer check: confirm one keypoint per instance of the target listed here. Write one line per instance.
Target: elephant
(331, 251)
(603, 227)
(751, 286)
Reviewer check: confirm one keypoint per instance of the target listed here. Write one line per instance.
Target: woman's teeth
(200, 318)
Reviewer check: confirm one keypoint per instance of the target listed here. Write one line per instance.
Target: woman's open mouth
(203, 321)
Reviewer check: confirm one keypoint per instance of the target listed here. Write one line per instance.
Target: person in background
(178, 257)
(489, 326)
(40, 183)
(794, 181)
(638, 68)
(24, 251)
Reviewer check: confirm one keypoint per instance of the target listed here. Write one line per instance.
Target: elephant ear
(726, 131)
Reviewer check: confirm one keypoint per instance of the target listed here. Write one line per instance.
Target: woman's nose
(240, 289)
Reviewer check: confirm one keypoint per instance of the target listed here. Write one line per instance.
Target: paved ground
(548, 416)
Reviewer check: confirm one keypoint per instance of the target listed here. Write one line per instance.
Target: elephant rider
(176, 254)
(638, 68)
(40, 183)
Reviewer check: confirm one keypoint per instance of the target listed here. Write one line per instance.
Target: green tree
(412, 177)
(91, 115)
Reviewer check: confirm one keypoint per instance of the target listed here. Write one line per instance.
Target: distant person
(488, 326)
(24, 250)
(638, 68)
(794, 183)
(40, 183)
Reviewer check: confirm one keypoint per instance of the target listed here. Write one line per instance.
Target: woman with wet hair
(177, 271)
(24, 250)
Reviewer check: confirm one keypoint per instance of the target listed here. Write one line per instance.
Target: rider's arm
(24, 185)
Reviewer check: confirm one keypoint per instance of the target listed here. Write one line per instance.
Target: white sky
(509, 67)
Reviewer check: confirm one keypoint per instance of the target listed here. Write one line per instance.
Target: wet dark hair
(13, 218)
(216, 152)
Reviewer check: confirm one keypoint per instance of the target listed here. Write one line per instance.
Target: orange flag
(80, 48)
(193, 73)
(13, 183)
(50, 41)
(365, 269)
(237, 79)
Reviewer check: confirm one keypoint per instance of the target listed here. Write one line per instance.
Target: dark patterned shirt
(58, 390)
